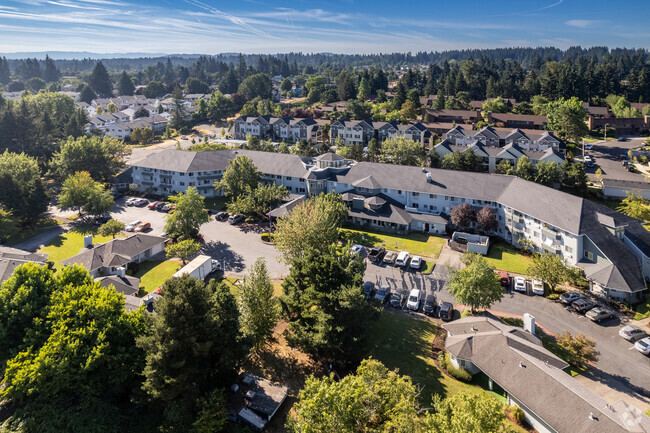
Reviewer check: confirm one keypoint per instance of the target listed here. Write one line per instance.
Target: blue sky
(341, 26)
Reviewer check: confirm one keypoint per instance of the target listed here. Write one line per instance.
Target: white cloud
(583, 24)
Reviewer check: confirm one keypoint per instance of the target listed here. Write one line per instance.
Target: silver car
(631, 333)
(382, 294)
(131, 227)
(598, 314)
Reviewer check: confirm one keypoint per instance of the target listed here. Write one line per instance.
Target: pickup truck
(376, 254)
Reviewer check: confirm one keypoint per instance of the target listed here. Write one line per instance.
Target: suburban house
(494, 145)
(597, 111)
(606, 244)
(115, 256)
(254, 401)
(362, 131)
(122, 283)
(515, 361)
(11, 258)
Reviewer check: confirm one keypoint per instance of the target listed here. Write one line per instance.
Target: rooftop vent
(521, 365)
(429, 177)
(592, 417)
(474, 328)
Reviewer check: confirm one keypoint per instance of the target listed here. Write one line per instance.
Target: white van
(402, 259)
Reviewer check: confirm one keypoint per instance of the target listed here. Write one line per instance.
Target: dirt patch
(287, 366)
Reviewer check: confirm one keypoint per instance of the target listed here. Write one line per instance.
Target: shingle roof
(534, 377)
(125, 285)
(116, 252)
(329, 156)
(11, 258)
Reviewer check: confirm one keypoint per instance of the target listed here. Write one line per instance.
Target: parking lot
(606, 156)
(235, 248)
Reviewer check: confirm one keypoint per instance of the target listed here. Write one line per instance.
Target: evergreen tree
(100, 82)
(125, 85)
(179, 113)
(51, 73)
(5, 74)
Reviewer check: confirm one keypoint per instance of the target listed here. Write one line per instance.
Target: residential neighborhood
(333, 218)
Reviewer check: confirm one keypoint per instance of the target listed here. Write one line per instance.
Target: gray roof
(125, 285)
(11, 258)
(114, 253)
(330, 156)
(628, 184)
(534, 377)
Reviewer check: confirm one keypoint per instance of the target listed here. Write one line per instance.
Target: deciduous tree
(552, 269)
(462, 215)
(402, 151)
(476, 285)
(240, 174)
(182, 249)
(466, 412)
(185, 221)
(577, 350)
(80, 192)
(257, 308)
(101, 156)
(313, 224)
(23, 191)
(487, 219)
(111, 227)
(373, 399)
(525, 168)
(636, 206)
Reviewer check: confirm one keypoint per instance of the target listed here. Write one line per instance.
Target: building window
(589, 255)
(399, 191)
(181, 183)
(568, 249)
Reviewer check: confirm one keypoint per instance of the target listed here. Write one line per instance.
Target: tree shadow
(229, 259)
(618, 383)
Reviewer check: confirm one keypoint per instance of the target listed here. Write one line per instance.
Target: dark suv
(447, 311)
(397, 299)
(429, 307)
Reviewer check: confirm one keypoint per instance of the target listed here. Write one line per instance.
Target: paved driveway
(237, 249)
(606, 157)
(620, 367)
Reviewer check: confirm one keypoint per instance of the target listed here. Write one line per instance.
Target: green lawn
(405, 343)
(38, 228)
(643, 310)
(506, 258)
(417, 244)
(215, 203)
(154, 273)
(69, 244)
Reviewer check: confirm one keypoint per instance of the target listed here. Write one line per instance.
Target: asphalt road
(606, 157)
(623, 367)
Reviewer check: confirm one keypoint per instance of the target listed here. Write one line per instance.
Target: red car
(504, 279)
(153, 205)
(142, 227)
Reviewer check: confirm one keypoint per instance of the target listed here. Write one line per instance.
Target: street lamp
(606, 125)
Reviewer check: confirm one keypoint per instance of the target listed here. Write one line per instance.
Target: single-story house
(107, 258)
(619, 188)
(11, 258)
(533, 379)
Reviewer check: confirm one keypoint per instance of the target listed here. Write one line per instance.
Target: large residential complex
(494, 145)
(613, 249)
(278, 128)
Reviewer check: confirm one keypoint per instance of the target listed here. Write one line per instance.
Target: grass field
(506, 258)
(642, 310)
(154, 273)
(403, 343)
(417, 244)
(69, 244)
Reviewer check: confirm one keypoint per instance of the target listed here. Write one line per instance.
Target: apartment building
(611, 247)
(287, 129)
(362, 131)
(494, 145)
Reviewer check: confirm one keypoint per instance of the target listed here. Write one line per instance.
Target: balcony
(552, 234)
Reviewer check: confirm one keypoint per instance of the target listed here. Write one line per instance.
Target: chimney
(121, 271)
(529, 323)
(429, 178)
(88, 241)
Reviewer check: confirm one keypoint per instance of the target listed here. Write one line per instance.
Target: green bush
(457, 372)
(554, 296)
(517, 414)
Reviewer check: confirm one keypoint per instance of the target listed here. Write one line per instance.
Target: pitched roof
(125, 285)
(11, 258)
(534, 377)
(114, 253)
(329, 156)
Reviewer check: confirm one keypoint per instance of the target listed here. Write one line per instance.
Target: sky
(338, 26)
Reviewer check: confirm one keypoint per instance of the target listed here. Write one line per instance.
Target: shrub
(457, 372)
(517, 414)
(554, 296)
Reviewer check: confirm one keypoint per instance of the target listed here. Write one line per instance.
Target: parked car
(390, 257)
(397, 298)
(598, 314)
(447, 311)
(589, 146)
(583, 305)
(236, 219)
(504, 279)
(160, 205)
(538, 287)
(368, 289)
(131, 201)
(402, 259)
(356, 249)
(570, 297)
(588, 160)
(416, 262)
(131, 226)
(632, 333)
(643, 345)
(429, 307)
(520, 284)
(102, 219)
(142, 227)
(141, 202)
(622, 139)
(183, 137)
(221, 216)
(622, 156)
(382, 294)
(413, 302)
(153, 205)
(376, 254)
(166, 207)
